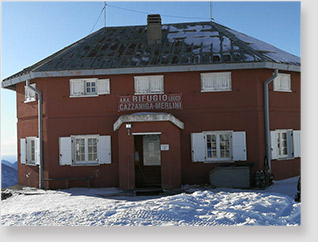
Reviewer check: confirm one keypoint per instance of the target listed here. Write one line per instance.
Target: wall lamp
(128, 127)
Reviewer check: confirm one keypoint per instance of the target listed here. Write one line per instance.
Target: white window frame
(29, 160)
(28, 150)
(149, 80)
(218, 156)
(280, 147)
(237, 143)
(29, 94)
(67, 150)
(214, 77)
(278, 85)
(90, 82)
(102, 86)
(86, 160)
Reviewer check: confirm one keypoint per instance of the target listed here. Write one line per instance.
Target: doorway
(147, 161)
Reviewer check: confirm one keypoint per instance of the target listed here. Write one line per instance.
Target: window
(285, 144)
(29, 94)
(148, 84)
(85, 150)
(216, 82)
(282, 83)
(29, 151)
(282, 144)
(32, 151)
(89, 87)
(218, 146)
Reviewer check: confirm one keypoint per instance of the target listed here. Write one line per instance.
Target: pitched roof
(182, 44)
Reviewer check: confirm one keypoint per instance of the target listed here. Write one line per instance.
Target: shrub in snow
(263, 179)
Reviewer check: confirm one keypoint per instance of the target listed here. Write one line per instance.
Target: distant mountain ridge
(10, 164)
(9, 174)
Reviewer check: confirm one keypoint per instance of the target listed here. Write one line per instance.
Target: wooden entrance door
(147, 161)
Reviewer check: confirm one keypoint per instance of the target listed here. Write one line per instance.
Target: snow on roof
(182, 44)
(277, 55)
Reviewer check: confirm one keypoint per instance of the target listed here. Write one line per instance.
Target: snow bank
(101, 207)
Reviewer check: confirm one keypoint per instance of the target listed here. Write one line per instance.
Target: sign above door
(150, 102)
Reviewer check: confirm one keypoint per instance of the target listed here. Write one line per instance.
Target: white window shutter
(30, 94)
(77, 87)
(156, 83)
(296, 142)
(103, 86)
(141, 85)
(285, 82)
(104, 149)
(23, 151)
(239, 146)
(198, 147)
(274, 145)
(65, 149)
(37, 151)
(277, 83)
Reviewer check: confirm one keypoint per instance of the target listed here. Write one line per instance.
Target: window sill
(218, 161)
(226, 90)
(149, 93)
(85, 164)
(283, 90)
(30, 101)
(31, 164)
(85, 96)
(286, 158)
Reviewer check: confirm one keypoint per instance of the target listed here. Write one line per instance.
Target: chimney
(154, 29)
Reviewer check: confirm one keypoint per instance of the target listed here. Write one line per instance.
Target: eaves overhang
(10, 83)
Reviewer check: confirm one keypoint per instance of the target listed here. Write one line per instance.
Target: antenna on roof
(105, 13)
(211, 11)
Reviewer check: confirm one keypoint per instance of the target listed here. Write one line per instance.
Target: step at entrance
(149, 190)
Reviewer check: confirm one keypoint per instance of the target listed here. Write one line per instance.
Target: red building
(158, 105)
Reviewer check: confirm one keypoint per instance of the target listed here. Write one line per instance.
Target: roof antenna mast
(105, 13)
(211, 11)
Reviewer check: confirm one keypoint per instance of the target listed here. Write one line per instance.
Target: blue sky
(32, 31)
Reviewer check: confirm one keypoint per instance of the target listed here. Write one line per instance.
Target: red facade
(241, 109)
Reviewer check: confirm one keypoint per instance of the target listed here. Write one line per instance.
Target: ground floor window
(218, 146)
(285, 144)
(29, 151)
(85, 150)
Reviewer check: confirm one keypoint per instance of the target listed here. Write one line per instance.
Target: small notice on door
(164, 147)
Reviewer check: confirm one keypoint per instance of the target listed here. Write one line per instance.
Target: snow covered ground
(195, 206)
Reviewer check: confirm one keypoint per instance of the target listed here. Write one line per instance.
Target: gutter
(40, 131)
(11, 82)
(267, 126)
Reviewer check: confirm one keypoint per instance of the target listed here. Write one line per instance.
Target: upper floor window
(282, 83)
(216, 82)
(29, 94)
(89, 87)
(149, 84)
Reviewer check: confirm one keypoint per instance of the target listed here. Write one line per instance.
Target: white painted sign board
(164, 147)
